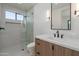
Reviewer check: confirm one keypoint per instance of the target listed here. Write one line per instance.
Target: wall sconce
(48, 15)
(76, 12)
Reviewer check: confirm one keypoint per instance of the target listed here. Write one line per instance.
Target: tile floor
(15, 51)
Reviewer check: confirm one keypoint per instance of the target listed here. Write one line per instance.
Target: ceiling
(27, 6)
(21, 6)
(59, 5)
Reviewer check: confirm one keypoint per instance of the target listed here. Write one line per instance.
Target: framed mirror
(60, 16)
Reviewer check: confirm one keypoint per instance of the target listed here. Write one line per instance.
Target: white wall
(75, 22)
(6, 7)
(42, 26)
(2, 21)
(3, 8)
(12, 35)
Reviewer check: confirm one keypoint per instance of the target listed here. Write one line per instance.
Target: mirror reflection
(61, 16)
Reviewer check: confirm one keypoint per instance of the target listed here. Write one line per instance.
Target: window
(13, 16)
(9, 15)
(19, 17)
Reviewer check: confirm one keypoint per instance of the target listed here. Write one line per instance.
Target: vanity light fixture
(76, 12)
(47, 15)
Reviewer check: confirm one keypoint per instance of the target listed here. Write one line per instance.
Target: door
(29, 28)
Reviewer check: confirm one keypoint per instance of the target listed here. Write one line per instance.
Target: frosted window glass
(19, 17)
(9, 15)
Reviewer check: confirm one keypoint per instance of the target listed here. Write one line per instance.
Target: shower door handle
(1, 28)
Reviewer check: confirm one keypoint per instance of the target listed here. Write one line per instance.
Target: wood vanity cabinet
(44, 48)
(75, 53)
(62, 51)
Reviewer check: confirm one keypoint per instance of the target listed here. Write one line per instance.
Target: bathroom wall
(42, 26)
(2, 21)
(3, 8)
(75, 22)
(6, 7)
(41, 22)
(13, 33)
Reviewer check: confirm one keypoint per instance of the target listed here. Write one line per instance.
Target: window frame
(15, 15)
(10, 14)
(19, 19)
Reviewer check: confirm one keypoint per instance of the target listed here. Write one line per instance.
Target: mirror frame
(61, 28)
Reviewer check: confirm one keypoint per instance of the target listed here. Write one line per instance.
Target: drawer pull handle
(52, 47)
(38, 43)
(38, 53)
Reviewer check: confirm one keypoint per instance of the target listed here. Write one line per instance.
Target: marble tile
(18, 50)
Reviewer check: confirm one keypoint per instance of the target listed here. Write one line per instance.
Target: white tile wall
(42, 26)
(12, 35)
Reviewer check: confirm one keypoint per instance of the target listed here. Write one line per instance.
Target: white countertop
(64, 42)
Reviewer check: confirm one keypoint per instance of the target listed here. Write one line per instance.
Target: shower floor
(18, 50)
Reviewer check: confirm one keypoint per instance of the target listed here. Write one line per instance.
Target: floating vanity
(47, 45)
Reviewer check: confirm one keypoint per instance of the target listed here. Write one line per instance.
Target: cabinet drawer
(38, 47)
(38, 42)
(75, 53)
(37, 53)
(43, 48)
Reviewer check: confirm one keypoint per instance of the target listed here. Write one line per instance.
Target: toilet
(31, 48)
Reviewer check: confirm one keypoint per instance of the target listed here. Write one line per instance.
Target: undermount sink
(52, 37)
